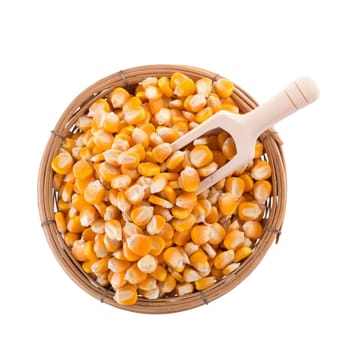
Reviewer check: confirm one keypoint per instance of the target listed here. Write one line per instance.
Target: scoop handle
(295, 96)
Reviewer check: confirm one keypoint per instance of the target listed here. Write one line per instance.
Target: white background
(298, 297)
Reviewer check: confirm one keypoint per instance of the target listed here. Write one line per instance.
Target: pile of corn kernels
(127, 205)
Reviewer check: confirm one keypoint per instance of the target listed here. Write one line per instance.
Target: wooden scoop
(245, 129)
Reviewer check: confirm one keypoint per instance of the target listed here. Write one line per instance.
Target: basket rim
(128, 78)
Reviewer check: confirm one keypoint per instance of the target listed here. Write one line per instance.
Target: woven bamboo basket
(47, 197)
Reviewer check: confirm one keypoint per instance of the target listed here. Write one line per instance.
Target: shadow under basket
(47, 196)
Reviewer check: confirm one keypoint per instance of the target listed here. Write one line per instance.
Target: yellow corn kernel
(234, 239)
(63, 206)
(103, 139)
(190, 248)
(163, 117)
(148, 128)
(155, 225)
(168, 135)
(94, 192)
(262, 190)
(70, 238)
(186, 200)
(159, 182)
(230, 268)
(130, 229)
(229, 148)
(141, 215)
(223, 259)
(86, 265)
(99, 246)
(200, 234)
(248, 182)
(164, 85)
(235, 186)
(110, 213)
(261, 170)
(259, 150)
(200, 156)
(152, 91)
(213, 216)
(227, 203)
(180, 213)
(209, 250)
(57, 181)
(204, 86)
(147, 263)
(156, 104)
(113, 229)
(78, 250)
(128, 254)
(242, 253)
(117, 280)
(199, 260)
(133, 111)
(252, 229)
(118, 199)
(205, 282)
(177, 78)
(168, 285)
(100, 266)
(190, 180)
(175, 160)
(190, 275)
(60, 222)
(161, 152)
(148, 169)
(182, 237)
(167, 232)
(139, 244)
(217, 234)
(223, 87)
(249, 210)
(184, 87)
(111, 123)
(126, 295)
(183, 224)
(101, 208)
(85, 153)
(160, 201)
(213, 101)
(88, 234)
(74, 225)
(134, 194)
(121, 182)
(117, 265)
(208, 169)
(148, 284)
(107, 172)
(174, 258)
(195, 103)
(62, 163)
(88, 214)
(111, 245)
(160, 273)
(129, 159)
(157, 245)
(119, 96)
(184, 288)
(140, 137)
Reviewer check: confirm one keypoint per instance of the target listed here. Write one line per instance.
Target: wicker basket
(275, 207)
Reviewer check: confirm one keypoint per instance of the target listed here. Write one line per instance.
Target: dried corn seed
(190, 275)
(242, 253)
(249, 211)
(119, 96)
(126, 295)
(223, 87)
(235, 186)
(174, 259)
(180, 213)
(160, 201)
(139, 244)
(223, 259)
(158, 183)
(205, 282)
(184, 288)
(117, 265)
(142, 215)
(261, 170)
(200, 234)
(100, 266)
(227, 203)
(204, 86)
(62, 163)
(155, 225)
(157, 245)
(200, 156)
(190, 180)
(78, 251)
(168, 285)
(252, 229)
(60, 222)
(184, 87)
(161, 152)
(262, 190)
(199, 260)
(147, 263)
(175, 160)
(248, 182)
(70, 238)
(234, 239)
(229, 148)
(160, 273)
(148, 169)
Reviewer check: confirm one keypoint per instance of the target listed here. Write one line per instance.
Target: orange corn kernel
(190, 275)
(74, 225)
(261, 170)
(148, 169)
(195, 103)
(174, 258)
(183, 224)
(119, 96)
(158, 183)
(242, 253)
(200, 156)
(78, 250)
(223, 87)
(259, 150)
(205, 282)
(235, 186)
(175, 160)
(214, 102)
(168, 285)
(169, 134)
(182, 237)
(126, 295)
(127, 254)
(107, 172)
(184, 87)
(148, 284)
(234, 239)
(227, 203)
(252, 229)
(103, 139)
(161, 152)
(248, 182)
(88, 234)
(217, 234)
(180, 213)
(100, 266)
(200, 234)
(60, 222)
(141, 215)
(113, 230)
(249, 211)
(164, 85)
(134, 194)
(184, 288)
(147, 263)
(190, 180)
(160, 201)
(204, 86)
(117, 265)
(139, 244)
(94, 192)
(129, 159)
(117, 280)
(160, 273)
(157, 245)
(155, 225)
(62, 163)
(70, 238)
(167, 232)
(262, 190)
(223, 259)
(186, 200)
(121, 182)
(199, 260)
(88, 215)
(134, 275)
(152, 91)
(229, 148)
(133, 111)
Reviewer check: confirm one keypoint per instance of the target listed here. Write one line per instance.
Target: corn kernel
(191, 275)
(168, 285)
(94, 192)
(205, 282)
(235, 186)
(223, 87)
(200, 234)
(223, 259)
(164, 85)
(190, 180)
(227, 203)
(62, 163)
(139, 244)
(261, 170)
(174, 259)
(262, 190)
(119, 96)
(142, 215)
(234, 239)
(161, 152)
(147, 263)
(204, 86)
(126, 295)
(242, 253)
(60, 222)
(249, 211)
(155, 225)
(252, 229)
(184, 288)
